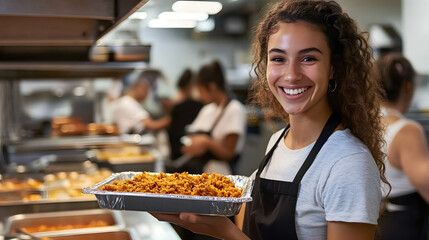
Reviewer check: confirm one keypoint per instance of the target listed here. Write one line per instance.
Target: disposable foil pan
(170, 203)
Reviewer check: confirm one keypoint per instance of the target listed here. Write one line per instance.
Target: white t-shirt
(128, 113)
(342, 184)
(232, 121)
(399, 181)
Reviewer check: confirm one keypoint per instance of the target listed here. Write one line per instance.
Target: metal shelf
(58, 70)
(61, 22)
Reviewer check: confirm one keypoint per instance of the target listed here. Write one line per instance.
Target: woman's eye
(277, 59)
(308, 59)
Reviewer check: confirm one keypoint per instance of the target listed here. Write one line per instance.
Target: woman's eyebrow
(277, 50)
(312, 49)
(303, 51)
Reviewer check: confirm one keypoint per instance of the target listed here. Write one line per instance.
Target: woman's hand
(220, 227)
(199, 145)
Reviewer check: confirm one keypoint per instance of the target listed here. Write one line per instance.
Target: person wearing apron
(196, 165)
(321, 177)
(276, 199)
(407, 161)
(217, 135)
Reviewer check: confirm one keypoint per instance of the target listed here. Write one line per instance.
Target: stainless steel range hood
(57, 39)
(61, 22)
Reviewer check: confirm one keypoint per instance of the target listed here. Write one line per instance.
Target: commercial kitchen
(63, 62)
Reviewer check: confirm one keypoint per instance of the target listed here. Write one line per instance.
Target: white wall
(368, 12)
(416, 33)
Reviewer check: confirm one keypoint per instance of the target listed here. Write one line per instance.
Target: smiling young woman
(299, 67)
(320, 178)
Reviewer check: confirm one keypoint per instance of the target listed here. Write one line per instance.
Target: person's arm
(239, 218)
(350, 231)
(220, 227)
(158, 124)
(201, 143)
(410, 147)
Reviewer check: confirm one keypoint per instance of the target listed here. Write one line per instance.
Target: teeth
(295, 91)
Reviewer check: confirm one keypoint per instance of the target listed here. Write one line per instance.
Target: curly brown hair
(356, 98)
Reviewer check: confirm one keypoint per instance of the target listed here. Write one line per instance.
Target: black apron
(411, 222)
(271, 214)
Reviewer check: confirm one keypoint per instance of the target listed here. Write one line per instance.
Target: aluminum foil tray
(170, 203)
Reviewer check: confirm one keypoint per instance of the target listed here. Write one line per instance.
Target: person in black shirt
(182, 113)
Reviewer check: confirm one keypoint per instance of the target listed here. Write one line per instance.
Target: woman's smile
(294, 91)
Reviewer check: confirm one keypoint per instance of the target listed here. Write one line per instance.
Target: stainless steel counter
(22, 152)
(141, 224)
(77, 142)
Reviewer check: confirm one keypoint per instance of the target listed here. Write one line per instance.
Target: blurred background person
(407, 163)
(114, 92)
(128, 112)
(185, 109)
(216, 137)
(181, 111)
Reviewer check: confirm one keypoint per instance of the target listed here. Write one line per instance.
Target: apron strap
(270, 153)
(329, 128)
(220, 115)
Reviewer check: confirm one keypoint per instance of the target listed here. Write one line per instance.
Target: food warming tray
(62, 218)
(110, 235)
(113, 233)
(170, 203)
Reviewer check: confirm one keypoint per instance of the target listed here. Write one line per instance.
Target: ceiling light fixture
(197, 6)
(196, 16)
(205, 26)
(161, 23)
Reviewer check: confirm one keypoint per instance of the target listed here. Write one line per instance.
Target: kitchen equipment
(62, 221)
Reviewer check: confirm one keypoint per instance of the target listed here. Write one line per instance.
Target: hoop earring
(332, 85)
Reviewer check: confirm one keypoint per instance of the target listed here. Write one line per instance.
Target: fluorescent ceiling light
(138, 15)
(206, 26)
(197, 6)
(197, 16)
(160, 23)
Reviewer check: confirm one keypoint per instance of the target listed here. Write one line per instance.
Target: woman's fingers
(166, 217)
(188, 217)
(208, 225)
(181, 219)
(199, 219)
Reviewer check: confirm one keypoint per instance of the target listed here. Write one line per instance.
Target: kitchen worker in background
(114, 92)
(216, 137)
(185, 109)
(407, 162)
(128, 112)
(320, 178)
(181, 111)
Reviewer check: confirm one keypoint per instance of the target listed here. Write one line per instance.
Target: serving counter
(131, 225)
(46, 176)
(57, 201)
